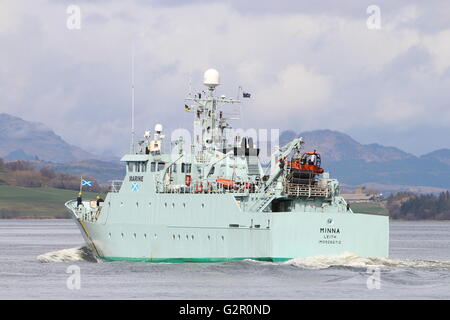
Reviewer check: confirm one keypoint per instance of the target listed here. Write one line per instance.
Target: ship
(216, 200)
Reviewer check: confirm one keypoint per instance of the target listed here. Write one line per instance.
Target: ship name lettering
(330, 230)
(137, 178)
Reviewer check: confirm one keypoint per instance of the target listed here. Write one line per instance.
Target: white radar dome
(158, 128)
(211, 78)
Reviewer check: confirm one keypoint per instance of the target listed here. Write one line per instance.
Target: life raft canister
(188, 180)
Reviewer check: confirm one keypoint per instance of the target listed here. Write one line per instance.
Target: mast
(208, 115)
(132, 100)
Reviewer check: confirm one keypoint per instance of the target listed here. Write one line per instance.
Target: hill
(441, 155)
(20, 139)
(101, 171)
(19, 202)
(354, 163)
(337, 146)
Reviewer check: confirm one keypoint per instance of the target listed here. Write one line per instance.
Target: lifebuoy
(188, 180)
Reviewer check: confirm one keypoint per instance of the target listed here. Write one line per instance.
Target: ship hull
(224, 233)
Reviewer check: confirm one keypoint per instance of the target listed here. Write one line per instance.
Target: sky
(308, 65)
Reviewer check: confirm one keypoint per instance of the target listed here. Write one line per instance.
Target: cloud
(298, 94)
(308, 66)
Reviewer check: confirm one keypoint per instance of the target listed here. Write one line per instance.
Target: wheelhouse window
(130, 166)
(153, 166)
(136, 166)
(161, 166)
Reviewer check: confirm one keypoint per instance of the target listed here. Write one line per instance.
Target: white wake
(352, 260)
(67, 255)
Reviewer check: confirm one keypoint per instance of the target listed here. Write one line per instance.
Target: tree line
(24, 174)
(410, 206)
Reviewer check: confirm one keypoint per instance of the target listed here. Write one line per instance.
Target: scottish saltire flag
(86, 183)
(246, 94)
(134, 187)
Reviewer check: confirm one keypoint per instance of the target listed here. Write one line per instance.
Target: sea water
(40, 258)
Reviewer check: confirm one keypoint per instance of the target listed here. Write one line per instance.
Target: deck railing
(306, 190)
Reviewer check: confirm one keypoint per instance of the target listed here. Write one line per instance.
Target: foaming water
(351, 260)
(68, 255)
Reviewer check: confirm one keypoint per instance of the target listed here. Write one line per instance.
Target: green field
(368, 207)
(36, 202)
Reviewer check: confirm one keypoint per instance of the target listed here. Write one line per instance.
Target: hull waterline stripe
(197, 260)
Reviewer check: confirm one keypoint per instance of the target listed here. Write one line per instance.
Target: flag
(186, 107)
(86, 183)
(246, 94)
(134, 187)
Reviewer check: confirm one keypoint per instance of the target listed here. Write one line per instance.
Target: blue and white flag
(86, 183)
(134, 187)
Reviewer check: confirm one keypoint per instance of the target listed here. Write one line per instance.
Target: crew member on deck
(79, 200)
(99, 199)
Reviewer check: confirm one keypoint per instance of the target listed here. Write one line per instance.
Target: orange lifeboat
(225, 182)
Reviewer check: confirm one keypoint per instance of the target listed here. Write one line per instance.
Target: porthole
(155, 236)
(179, 237)
(173, 237)
(121, 203)
(223, 238)
(134, 235)
(203, 205)
(149, 204)
(165, 204)
(121, 235)
(192, 237)
(145, 236)
(187, 237)
(209, 237)
(109, 235)
(173, 205)
(137, 204)
(184, 205)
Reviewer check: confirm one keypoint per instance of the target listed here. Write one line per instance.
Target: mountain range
(351, 162)
(33, 140)
(354, 163)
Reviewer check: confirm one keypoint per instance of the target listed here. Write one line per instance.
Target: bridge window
(153, 166)
(161, 166)
(140, 166)
(130, 166)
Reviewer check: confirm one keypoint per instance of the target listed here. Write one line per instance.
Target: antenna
(132, 99)
(190, 81)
